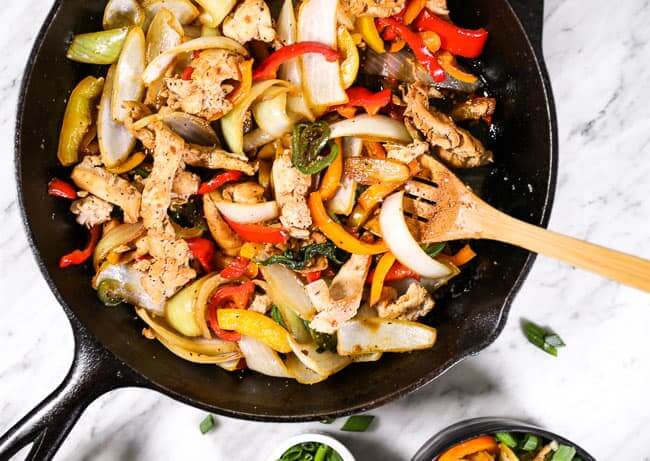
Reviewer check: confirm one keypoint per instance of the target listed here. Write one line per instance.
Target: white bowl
(311, 437)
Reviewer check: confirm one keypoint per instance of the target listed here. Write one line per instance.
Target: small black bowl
(475, 427)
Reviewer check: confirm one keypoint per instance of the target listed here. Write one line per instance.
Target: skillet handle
(531, 15)
(94, 372)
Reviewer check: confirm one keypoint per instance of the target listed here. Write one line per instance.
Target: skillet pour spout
(110, 351)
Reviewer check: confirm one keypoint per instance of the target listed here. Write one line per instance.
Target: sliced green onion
(98, 47)
(207, 424)
(545, 340)
(506, 438)
(322, 452)
(309, 446)
(307, 142)
(358, 423)
(277, 316)
(110, 292)
(433, 249)
(334, 456)
(530, 443)
(564, 453)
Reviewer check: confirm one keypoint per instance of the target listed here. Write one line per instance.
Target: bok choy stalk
(97, 47)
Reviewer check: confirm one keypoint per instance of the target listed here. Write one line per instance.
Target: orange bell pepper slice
(458, 452)
(379, 276)
(332, 177)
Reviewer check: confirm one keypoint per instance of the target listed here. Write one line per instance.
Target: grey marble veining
(598, 54)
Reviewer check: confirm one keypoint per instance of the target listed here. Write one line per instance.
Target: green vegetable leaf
(277, 316)
(298, 260)
(545, 340)
(433, 249)
(307, 142)
(358, 423)
(506, 438)
(207, 424)
(323, 341)
(564, 453)
(188, 215)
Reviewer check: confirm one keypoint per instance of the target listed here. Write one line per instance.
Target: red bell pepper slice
(236, 268)
(203, 251)
(468, 43)
(237, 296)
(259, 234)
(313, 276)
(270, 65)
(415, 42)
(187, 73)
(81, 256)
(362, 97)
(62, 189)
(398, 271)
(389, 34)
(218, 181)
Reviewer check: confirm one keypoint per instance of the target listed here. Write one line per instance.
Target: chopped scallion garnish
(207, 424)
(545, 340)
(506, 438)
(564, 453)
(530, 443)
(277, 316)
(358, 423)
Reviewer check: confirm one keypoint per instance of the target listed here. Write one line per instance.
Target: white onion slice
(130, 279)
(184, 10)
(122, 13)
(257, 138)
(165, 33)
(321, 79)
(216, 10)
(271, 115)
(128, 84)
(324, 363)
(115, 141)
(232, 124)
(301, 373)
(371, 126)
(290, 70)
(383, 335)
(343, 200)
(261, 358)
(249, 213)
(157, 67)
(401, 243)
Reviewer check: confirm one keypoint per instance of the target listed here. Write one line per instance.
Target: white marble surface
(594, 393)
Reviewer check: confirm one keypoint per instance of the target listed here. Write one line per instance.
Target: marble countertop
(594, 393)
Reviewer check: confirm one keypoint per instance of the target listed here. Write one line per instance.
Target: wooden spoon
(453, 212)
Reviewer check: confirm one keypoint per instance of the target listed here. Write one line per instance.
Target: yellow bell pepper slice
(365, 25)
(128, 164)
(350, 64)
(373, 195)
(255, 325)
(337, 234)
(448, 64)
(413, 10)
(332, 177)
(383, 266)
(77, 119)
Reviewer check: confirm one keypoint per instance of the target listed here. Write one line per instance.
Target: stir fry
(231, 164)
(507, 446)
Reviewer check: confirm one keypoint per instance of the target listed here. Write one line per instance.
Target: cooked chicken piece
(217, 158)
(340, 301)
(91, 211)
(251, 20)
(243, 192)
(184, 186)
(225, 237)
(457, 147)
(375, 8)
(406, 154)
(205, 94)
(474, 109)
(541, 455)
(412, 305)
(169, 268)
(260, 303)
(157, 193)
(90, 176)
(438, 7)
(291, 187)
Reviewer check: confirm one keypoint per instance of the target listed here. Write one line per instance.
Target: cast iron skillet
(110, 351)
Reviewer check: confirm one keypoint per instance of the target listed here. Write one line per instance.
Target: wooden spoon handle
(622, 267)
